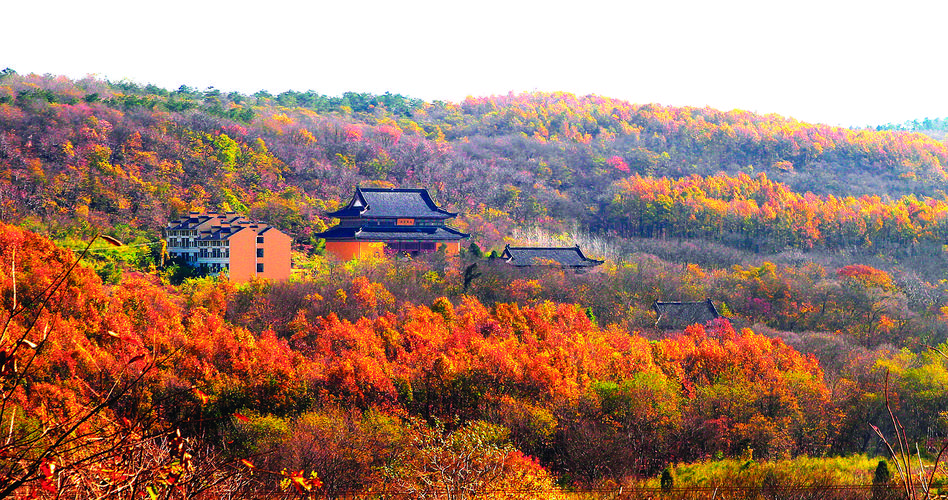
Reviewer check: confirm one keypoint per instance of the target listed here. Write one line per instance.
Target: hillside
(360, 377)
(124, 373)
(120, 157)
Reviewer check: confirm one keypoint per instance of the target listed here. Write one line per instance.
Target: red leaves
(868, 276)
(137, 358)
(302, 483)
(48, 472)
(353, 133)
(618, 163)
(201, 395)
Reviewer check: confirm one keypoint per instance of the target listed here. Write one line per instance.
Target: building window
(259, 239)
(259, 252)
(260, 267)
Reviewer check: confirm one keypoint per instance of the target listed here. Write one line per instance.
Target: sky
(838, 62)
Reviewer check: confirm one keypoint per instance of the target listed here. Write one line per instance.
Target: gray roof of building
(222, 226)
(536, 256)
(194, 219)
(682, 314)
(392, 203)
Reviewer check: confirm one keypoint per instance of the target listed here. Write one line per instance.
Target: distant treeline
(928, 124)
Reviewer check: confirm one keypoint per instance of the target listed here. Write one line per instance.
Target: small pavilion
(676, 315)
(563, 257)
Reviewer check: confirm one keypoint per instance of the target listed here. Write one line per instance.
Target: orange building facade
(230, 243)
(380, 221)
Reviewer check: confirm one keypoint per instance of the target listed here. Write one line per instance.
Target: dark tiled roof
(215, 235)
(221, 227)
(423, 233)
(392, 203)
(682, 314)
(197, 218)
(562, 256)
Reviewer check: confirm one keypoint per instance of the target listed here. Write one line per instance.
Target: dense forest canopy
(823, 247)
(347, 361)
(125, 155)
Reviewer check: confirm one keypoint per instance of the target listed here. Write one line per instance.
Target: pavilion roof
(682, 314)
(538, 256)
(392, 203)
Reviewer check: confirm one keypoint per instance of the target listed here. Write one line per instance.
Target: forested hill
(123, 157)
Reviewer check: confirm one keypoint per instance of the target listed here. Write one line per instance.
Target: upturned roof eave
(349, 211)
(526, 260)
(382, 234)
(344, 214)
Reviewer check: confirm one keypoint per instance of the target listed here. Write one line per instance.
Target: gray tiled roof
(562, 256)
(221, 225)
(682, 314)
(194, 219)
(392, 203)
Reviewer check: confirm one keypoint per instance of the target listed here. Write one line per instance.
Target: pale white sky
(840, 62)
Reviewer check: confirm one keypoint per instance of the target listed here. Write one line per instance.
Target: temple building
(380, 221)
(229, 242)
(563, 257)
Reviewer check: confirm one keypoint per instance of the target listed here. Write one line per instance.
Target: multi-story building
(230, 242)
(378, 221)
